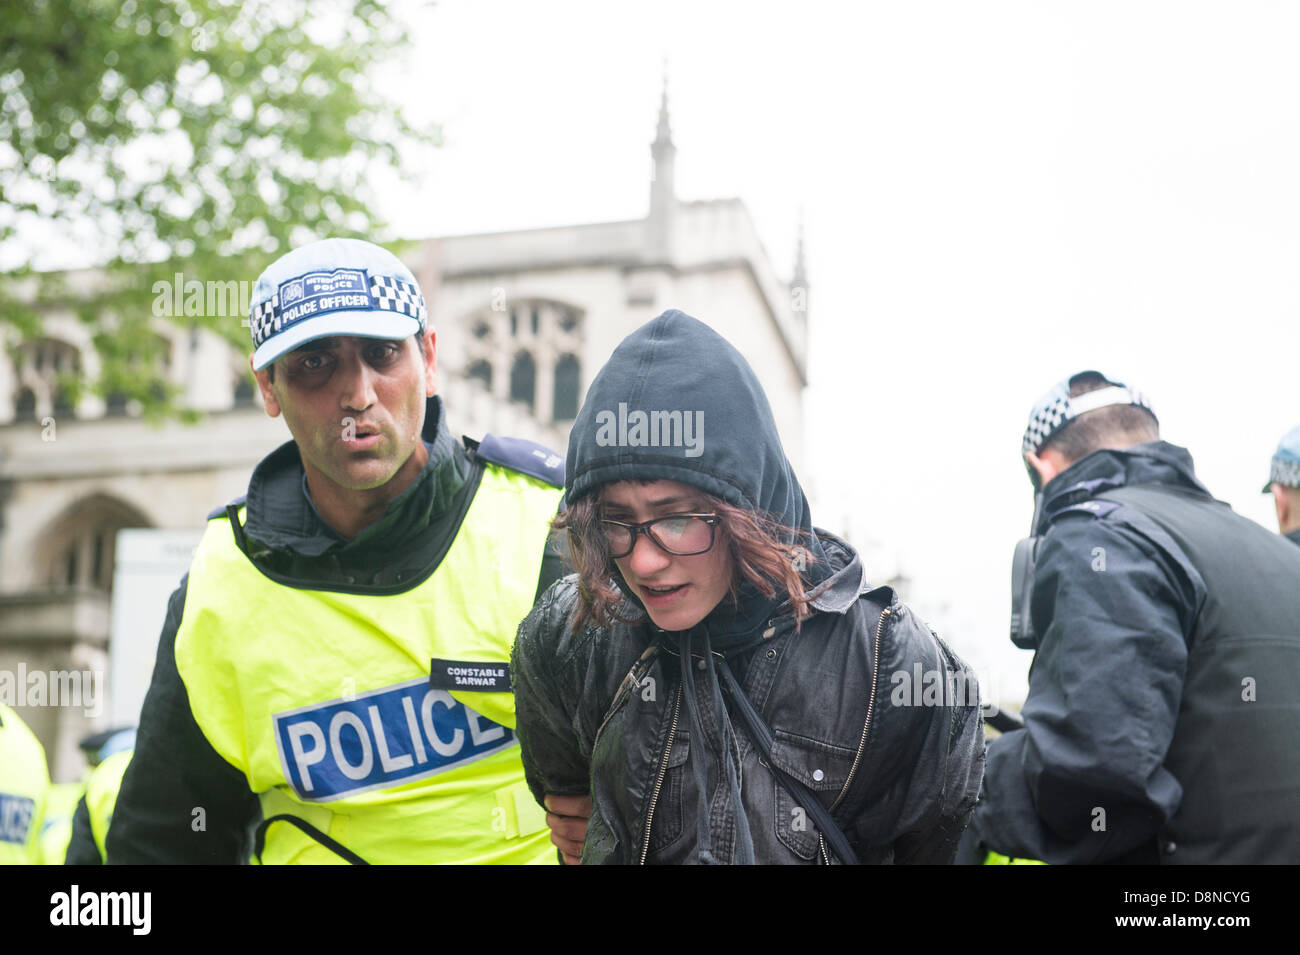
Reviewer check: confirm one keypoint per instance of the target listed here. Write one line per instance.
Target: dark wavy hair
(765, 553)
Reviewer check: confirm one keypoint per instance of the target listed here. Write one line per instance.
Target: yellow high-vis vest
(380, 725)
(101, 795)
(56, 827)
(24, 778)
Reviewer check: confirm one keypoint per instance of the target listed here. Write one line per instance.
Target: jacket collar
(838, 592)
(1156, 462)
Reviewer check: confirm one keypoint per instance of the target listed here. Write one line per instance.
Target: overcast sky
(995, 195)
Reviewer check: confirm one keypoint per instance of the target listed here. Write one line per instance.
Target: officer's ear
(1048, 464)
(264, 385)
(429, 350)
(1282, 501)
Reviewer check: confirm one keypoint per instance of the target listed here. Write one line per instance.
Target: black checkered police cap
(1285, 469)
(1056, 408)
(333, 287)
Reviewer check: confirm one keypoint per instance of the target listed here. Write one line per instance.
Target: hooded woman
(718, 676)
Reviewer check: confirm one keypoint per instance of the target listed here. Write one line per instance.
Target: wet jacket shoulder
(900, 769)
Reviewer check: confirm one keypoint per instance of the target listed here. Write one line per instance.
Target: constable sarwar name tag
(470, 676)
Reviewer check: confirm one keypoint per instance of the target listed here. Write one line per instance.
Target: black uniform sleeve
(548, 738)
(180, 801)
(81, 848)
(1084, 781)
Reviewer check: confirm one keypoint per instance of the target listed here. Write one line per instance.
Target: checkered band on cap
(390, 295)
(1285, 469)
(1052, 411)
(395, 295)
(1284, 472)
(265, 319)
(1056, 408)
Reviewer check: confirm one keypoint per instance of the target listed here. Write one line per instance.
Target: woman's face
(677, 592)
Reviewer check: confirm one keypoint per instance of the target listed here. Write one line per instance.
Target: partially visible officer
(62, 800)
(1284, 483)
(108, 753)
(24, 779)
(331, 682)
(1163, 716)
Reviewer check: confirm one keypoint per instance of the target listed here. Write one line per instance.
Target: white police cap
(333, 287)
(1056, 408)
(1285, 469)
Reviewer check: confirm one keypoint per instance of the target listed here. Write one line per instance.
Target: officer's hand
(567, 819)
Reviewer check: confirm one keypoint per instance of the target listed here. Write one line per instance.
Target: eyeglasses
(681, 535)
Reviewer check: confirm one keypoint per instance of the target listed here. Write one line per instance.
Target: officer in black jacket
(1284, 484)
(1163, 716)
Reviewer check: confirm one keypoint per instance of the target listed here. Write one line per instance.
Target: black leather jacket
(600, 711)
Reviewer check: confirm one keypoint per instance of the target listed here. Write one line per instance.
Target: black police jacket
(1162, 717)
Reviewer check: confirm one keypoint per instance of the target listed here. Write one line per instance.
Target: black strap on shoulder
(338, 848)
(805, 797)
(232, 511)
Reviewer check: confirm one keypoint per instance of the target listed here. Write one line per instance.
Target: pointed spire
(799, 280)
(663, 196)
(664, 132)
(800, 277)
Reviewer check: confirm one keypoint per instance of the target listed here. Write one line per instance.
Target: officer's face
(677, 592)
(355, 407)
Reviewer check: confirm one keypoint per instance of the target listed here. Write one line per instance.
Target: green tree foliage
(199, 137)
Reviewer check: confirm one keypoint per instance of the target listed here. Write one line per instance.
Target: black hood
(677, 402)
(721, 436)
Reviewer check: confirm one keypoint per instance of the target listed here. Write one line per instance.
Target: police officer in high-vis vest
(332, 681)
(24, 779)
(108, 753)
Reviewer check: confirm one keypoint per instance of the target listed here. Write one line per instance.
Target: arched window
(482, 371)
(116, 403)
(528, 353)
(25, 404)
(45, 367)
(564, 405)
(523, 379)
(82, 543)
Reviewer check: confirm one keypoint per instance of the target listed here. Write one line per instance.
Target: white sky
(995, 195)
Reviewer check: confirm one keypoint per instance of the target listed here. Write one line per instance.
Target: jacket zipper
(659, 780)
(871, 701)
